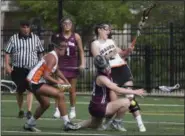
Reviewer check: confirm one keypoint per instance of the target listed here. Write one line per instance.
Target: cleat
(21, 114)
(117, 125)
(142, 128)
(72, 115)
(28, 115)
(71, 126)
(31, 128)
(102, 128)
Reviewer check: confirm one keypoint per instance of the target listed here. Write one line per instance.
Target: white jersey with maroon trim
(108, 48)
(36, 74)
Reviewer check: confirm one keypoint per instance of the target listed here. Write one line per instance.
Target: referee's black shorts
(19, 75)
(121, 75)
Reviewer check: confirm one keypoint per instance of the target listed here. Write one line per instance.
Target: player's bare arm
(124, 52)
(7, 63)
(103, 80)
(50, 63)
(94, 49)
(61, 75)
(79, 43)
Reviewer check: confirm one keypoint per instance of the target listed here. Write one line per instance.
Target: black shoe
(31, 128)
(28, 115)
(21, 114)
(71, 126)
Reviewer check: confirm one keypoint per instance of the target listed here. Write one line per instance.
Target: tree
(84, 13)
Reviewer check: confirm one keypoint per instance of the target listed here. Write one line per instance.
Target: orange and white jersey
(36, 74)
(108, 48)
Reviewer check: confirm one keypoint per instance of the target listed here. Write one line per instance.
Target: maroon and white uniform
(69, 61)
(99, 100)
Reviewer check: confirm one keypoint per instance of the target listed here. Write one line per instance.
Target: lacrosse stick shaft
(141, 23)
(72, 68)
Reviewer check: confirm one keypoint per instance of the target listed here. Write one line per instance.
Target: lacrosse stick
(142, 22)
(73, 68)
(62, 87)
(169, 88)
(10, 85)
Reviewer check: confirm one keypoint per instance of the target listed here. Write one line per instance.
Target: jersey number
(68, 51)
(111, 58)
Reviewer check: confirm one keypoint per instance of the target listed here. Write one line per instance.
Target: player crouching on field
(40, 79)
(100, 105)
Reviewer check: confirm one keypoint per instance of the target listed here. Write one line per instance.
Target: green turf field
(162, 116)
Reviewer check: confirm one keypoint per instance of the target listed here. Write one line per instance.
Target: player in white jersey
(40, 78)
(121, 73)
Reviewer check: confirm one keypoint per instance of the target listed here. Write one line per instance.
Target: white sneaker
(31, 128)
(117, 125)
(72, 114)
(56, 114)
(102, 127)
(142, 128)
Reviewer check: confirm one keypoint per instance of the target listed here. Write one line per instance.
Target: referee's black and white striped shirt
(24, 50)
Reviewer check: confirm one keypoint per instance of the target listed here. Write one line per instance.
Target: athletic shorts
(35, 87)
(19, 75)
(97, 110)
(67, 66)
(121, 75)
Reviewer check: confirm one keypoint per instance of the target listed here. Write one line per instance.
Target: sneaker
(21, 114)
(31, 128)
(102, 127)
(118, 126)
(28, 115)
(56, 114)
(71, 126)
(72, 114)
(142, 128)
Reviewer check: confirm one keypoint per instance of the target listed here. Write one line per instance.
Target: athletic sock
(73, 109)
(139, 120)
(65, 119)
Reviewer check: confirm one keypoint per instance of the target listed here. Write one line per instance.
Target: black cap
(24, 23)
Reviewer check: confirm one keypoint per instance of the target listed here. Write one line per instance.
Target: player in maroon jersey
(69, 64)
(100, 105)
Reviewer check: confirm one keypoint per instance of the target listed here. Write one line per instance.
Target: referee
(21, 53)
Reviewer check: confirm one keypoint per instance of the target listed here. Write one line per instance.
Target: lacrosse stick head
(10, 85)
(63, 87)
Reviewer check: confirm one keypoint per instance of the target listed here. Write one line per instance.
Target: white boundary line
(130, 122)
(53, 133)
(85, 103)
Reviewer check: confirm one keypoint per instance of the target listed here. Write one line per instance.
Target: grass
(162, 116)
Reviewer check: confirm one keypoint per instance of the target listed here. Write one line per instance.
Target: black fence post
(60, 13)
(171, 55)
(147, 67)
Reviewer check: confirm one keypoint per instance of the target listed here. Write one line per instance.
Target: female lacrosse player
(69, 63)
(105, 46)
(100, 105)
(39, 79)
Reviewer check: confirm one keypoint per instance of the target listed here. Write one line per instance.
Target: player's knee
(61, 96)
(134, 106)
(125, 102)
(72, 90)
